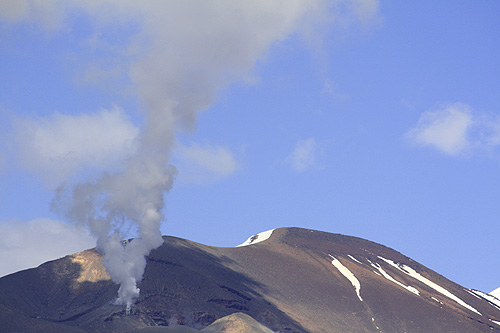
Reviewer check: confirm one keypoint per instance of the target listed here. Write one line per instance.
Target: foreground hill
(288, 280)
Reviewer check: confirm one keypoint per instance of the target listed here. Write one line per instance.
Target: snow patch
(434, 298)
(470, 292)
(348, 274)
(411, 272)
(390, 278)
(260, 237)
(354, 259)
(489, 297)
(496, 293)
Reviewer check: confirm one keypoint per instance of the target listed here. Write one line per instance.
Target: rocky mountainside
(285, 280)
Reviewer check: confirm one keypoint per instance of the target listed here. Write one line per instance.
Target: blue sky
(372, 119)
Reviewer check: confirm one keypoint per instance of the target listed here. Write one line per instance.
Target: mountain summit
(287, 280)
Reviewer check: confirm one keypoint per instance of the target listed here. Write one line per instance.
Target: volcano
(282, 280)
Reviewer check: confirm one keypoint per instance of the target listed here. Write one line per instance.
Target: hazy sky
(379, 120)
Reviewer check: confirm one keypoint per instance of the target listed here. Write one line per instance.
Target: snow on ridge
(490, 298)
(354, 259)
(390, 278)
(411, 272)
(260, 237)
(435, 299)
(348, 274)
(473, 294)
(496, 293)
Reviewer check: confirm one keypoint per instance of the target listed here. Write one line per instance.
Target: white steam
(134, 196)
(183, 54)
(177, 56)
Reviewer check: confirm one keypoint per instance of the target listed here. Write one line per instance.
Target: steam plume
(177, 56)
(185, 52)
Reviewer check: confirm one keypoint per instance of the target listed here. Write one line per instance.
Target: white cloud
(216, 159)
(330, 88)
(60, 145)
(445, 129)
(48, 13)
(13, 10)
(355, 13)
(28, 244)
(457, 129)
(3, 162)
(205, 164)
(490, 131)
(366, 10)
(304, 156)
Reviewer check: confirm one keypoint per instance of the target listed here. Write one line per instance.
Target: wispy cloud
(28, 244)
(202, 164)
(455, 129)
(330, 88)
(304, 156)
(49, 14)
(3, 162)
(57, 146)
(366, 10)
(445, 129)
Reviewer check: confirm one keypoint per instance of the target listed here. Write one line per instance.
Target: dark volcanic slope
(296, 281)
